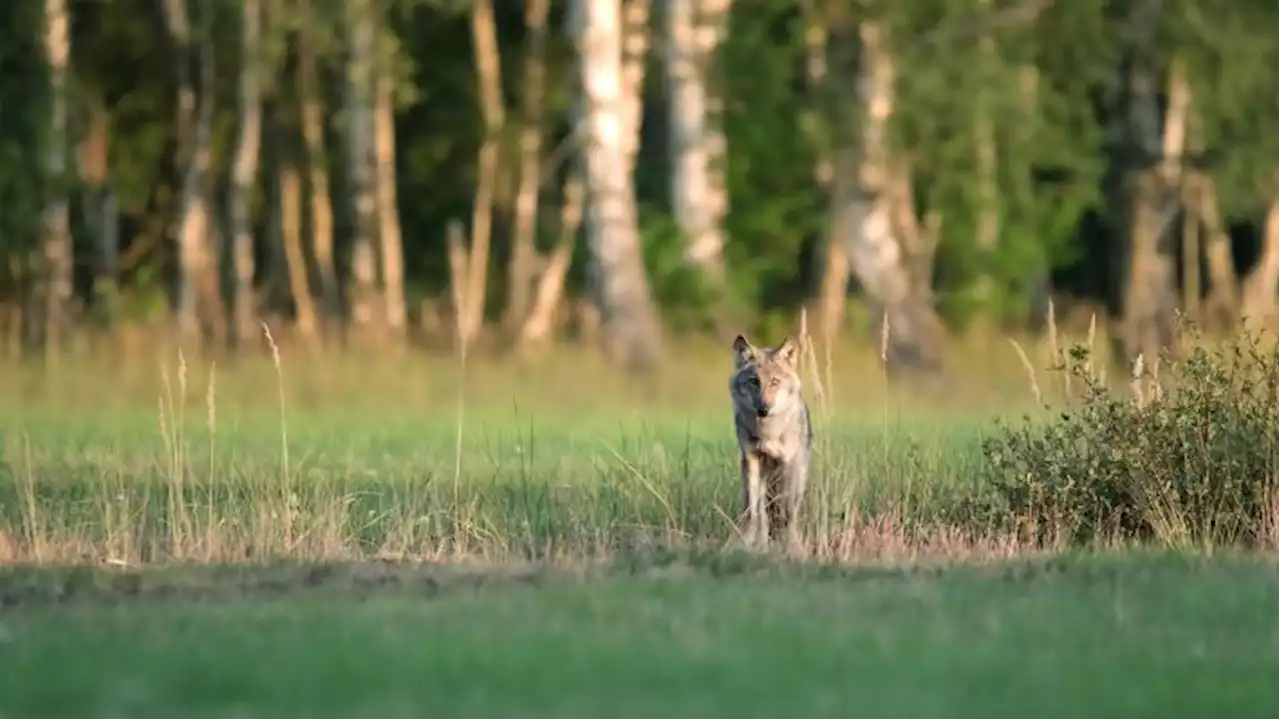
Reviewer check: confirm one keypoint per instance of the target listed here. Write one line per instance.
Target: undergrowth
(1186, 457)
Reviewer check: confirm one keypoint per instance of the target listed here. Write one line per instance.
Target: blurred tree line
(454, 171)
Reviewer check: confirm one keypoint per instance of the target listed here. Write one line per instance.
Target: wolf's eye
(774, 382)
(754, 382)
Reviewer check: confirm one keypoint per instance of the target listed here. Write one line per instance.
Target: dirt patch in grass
(37, 586)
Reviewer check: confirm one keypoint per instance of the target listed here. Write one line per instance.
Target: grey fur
(775, 440)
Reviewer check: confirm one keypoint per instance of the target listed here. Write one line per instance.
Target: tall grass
(317, 459)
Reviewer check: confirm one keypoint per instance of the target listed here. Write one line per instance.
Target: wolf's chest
(779, 442)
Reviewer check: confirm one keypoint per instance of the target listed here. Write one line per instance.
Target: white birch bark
(632, 334)
(245, 170)
(360, 132)
(388, 207)
(56, 217)
(698, 196)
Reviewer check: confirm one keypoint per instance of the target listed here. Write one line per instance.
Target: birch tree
(1150, 296)
(484, 38)
(520, 267)
(199, 305)
(311, 107)
(694, 29)
(359, 109)
(245, 170)
(391, 242)
(55, 221)
(632, 333)
(890, 251)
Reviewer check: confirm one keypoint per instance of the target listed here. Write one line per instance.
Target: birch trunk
(56, 219)
(321, 206)
(360, 131)
(295, 259)
(1262, 283)
(632, 334)
(101, 212)
(520, 267)
(987, 235)
(833, 287)
(388, 210)
(697, 192)
(889, 252)
(245, 170)
(199, 305)
(550, 290)
(635, 49)
(1223, 303)
(1151, 295)
(485, 40)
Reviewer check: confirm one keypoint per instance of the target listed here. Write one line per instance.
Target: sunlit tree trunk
(388, 209)
(56, 277)
(520, 267)
(290, 213)
(1151, 291)
(485, 41)
(1262, 283)
(987, 235)
(361, 183)
(245, 170)
(889, 251)
(101, 212)
(321, 205)
(697, 191)
(199, 302)
(550, 289)
(635, 50)
(833, 286)
(632, 333)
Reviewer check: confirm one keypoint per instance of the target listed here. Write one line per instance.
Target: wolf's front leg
(757, 524)
(795, 475)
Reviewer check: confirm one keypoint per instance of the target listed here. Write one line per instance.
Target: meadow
(314, 536)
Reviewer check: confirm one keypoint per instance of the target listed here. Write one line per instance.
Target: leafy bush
(1187, 457)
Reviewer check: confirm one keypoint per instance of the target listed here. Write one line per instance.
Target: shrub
(1186, 457)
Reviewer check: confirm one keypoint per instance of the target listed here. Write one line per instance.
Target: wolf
(775, 439)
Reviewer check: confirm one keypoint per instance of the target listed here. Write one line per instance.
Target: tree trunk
(987, 235)
(888, 252)
(485, 40)
(245, 170)
(1263, 282)
(537, 327)
(295, 258)
(1151, 294)
(56, 220)
(199, 305)
(520, 267)
(388, 210)
(635, 49)
(630, 320)
(692, 35)
(101, 212)
(360, 131)
(833, 267)
(312, 111)
(1223, 303)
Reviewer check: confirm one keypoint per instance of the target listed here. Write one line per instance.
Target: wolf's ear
(742, 350)
(787, 352)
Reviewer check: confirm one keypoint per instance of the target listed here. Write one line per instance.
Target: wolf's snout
(762, 411)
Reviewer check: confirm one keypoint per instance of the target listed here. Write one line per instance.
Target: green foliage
(1188, 459)
(23, 109)
(1052, 149)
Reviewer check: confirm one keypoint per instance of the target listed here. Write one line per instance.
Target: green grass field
(1101, 636)
(547, 539)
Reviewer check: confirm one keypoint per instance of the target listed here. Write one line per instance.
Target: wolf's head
(764, 378)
